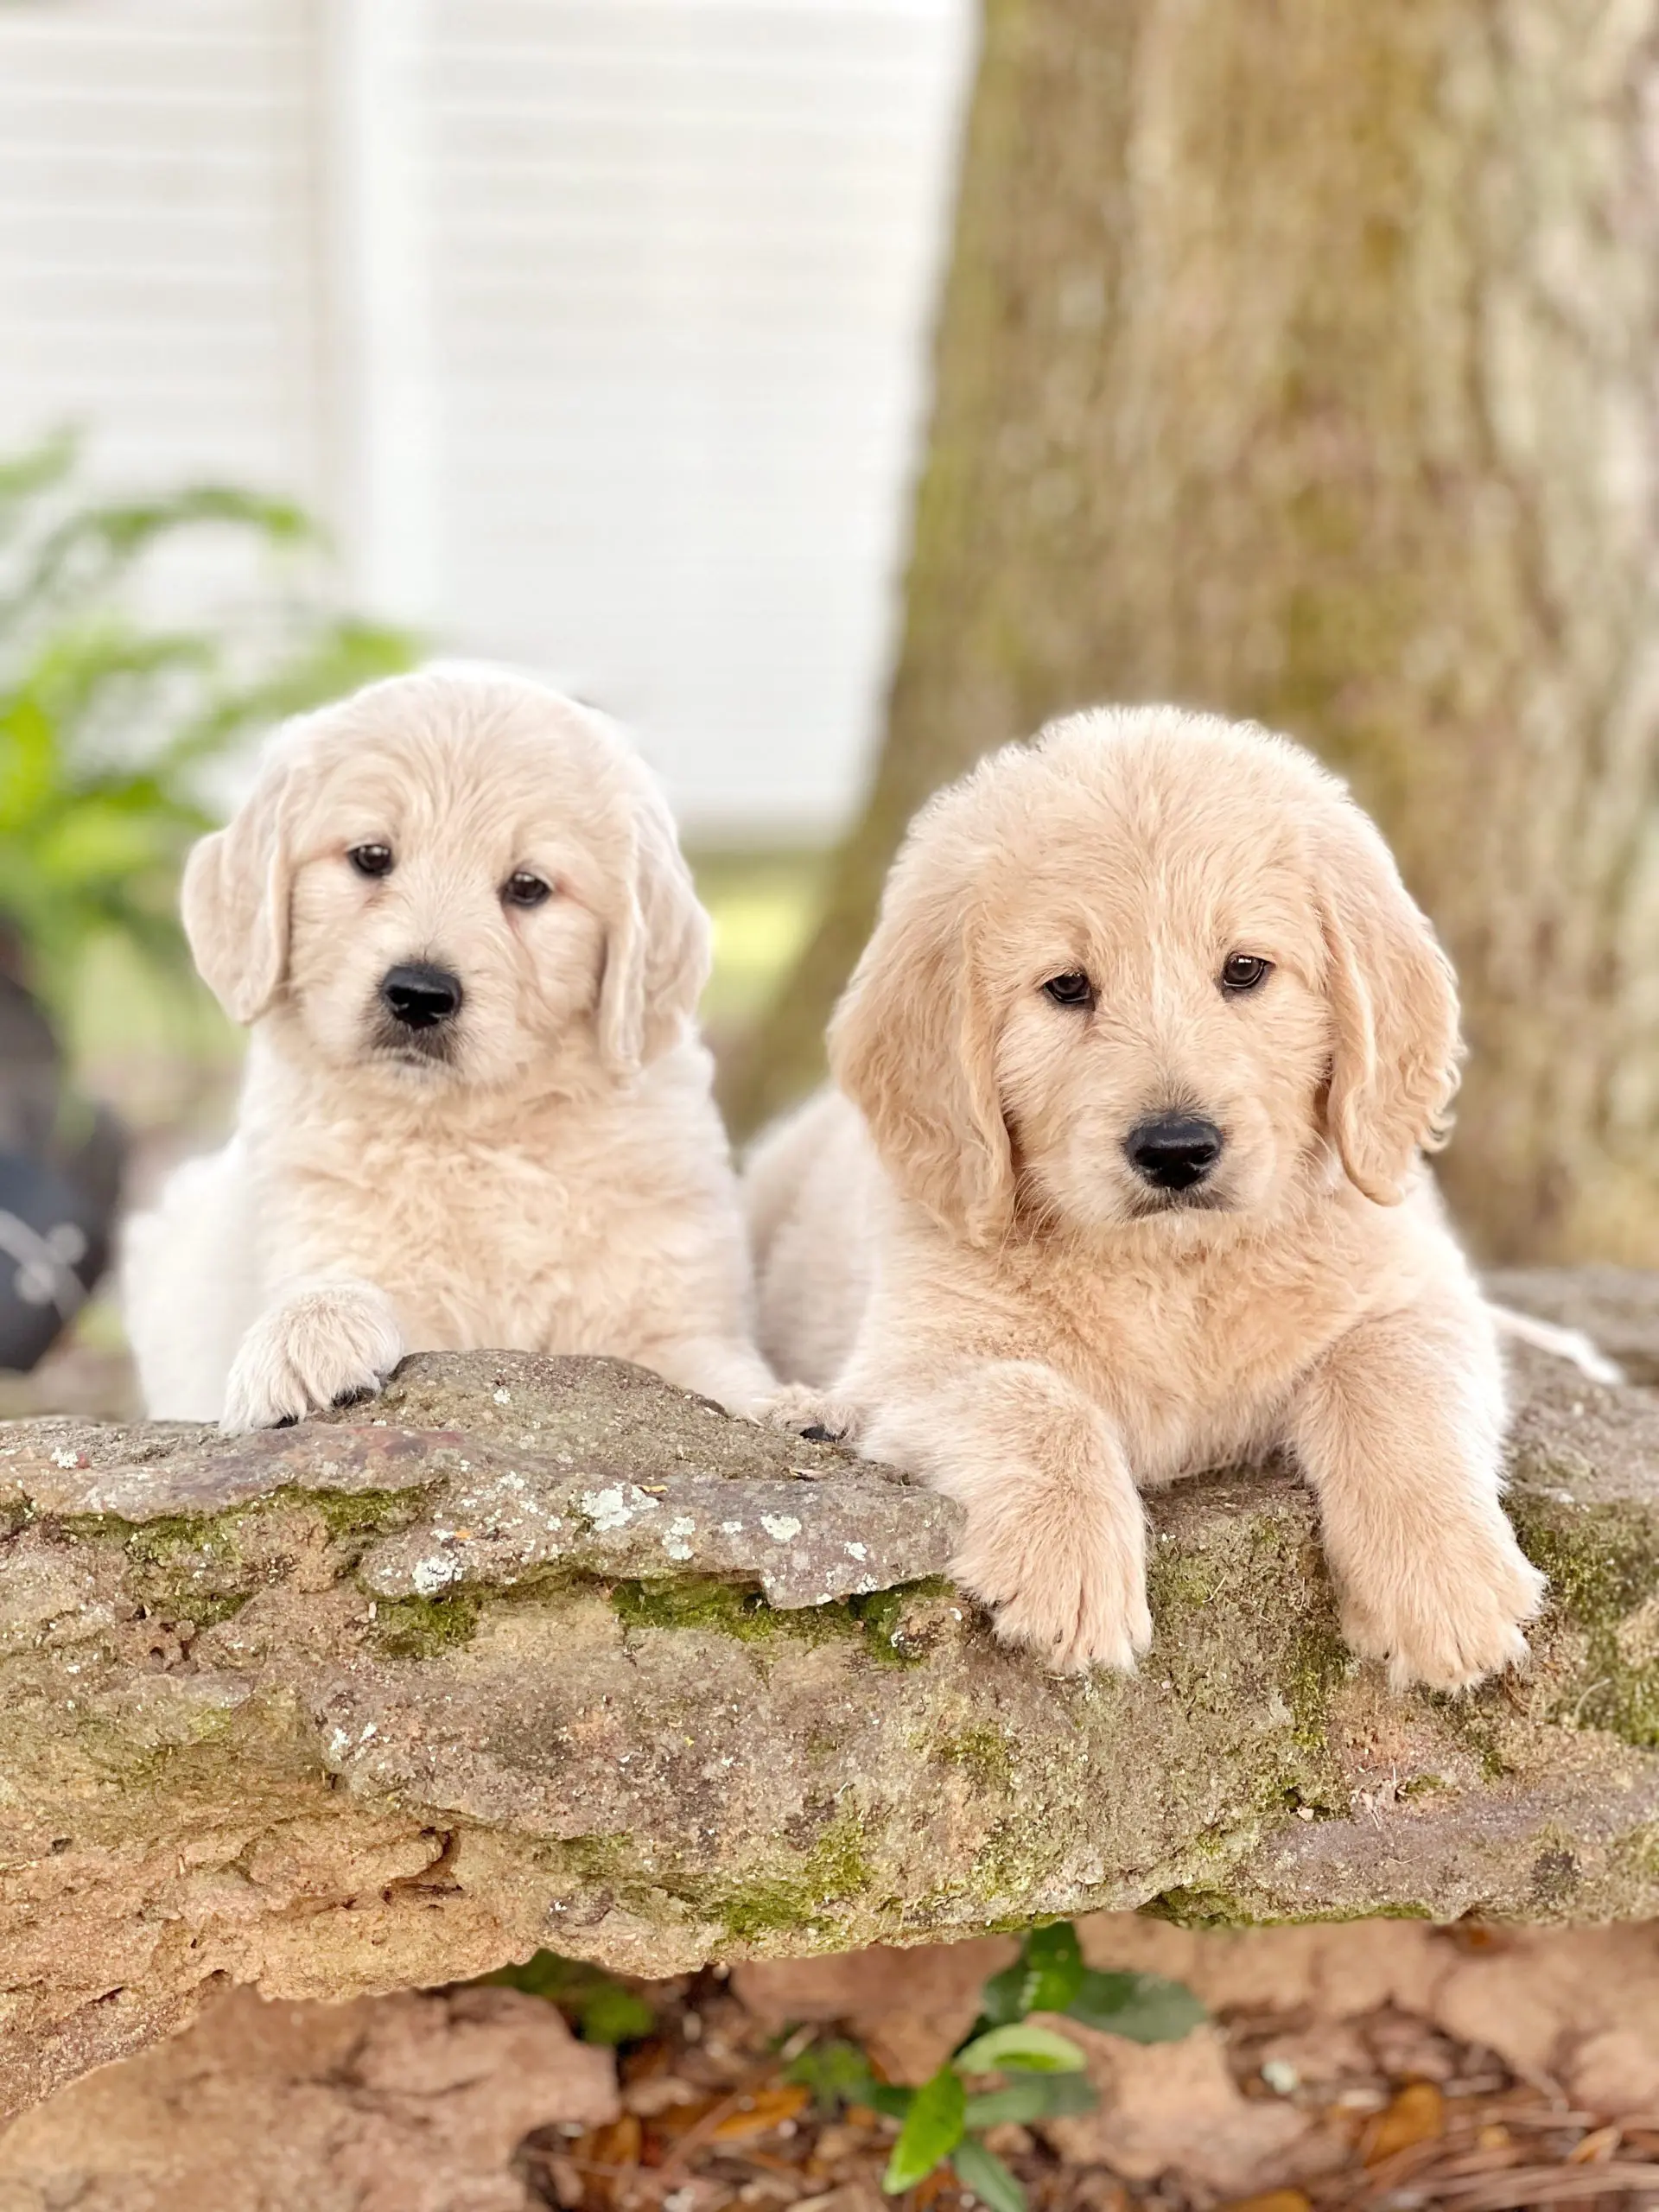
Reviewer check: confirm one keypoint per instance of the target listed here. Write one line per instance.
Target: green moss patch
(836, 1869)
(1602, 1565)
(725, 1608)
(420, 1628)
(981, 1752)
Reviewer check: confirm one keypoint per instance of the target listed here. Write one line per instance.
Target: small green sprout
(1044, 2073)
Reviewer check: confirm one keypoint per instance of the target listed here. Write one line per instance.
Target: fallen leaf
(760, 2113)
(1416, 2115)
(616, 2144)
(1601, 2144)
(603, 2154)
(1276, 2200)
(660, 2093)
(681, 2116)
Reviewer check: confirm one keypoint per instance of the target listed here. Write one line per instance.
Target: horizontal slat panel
(677, 257)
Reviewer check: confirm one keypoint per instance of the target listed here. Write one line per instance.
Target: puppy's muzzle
(1174, 1152)
(421, 997)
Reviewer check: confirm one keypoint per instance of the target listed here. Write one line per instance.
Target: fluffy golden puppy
(1133, 1081)
(476, 1112)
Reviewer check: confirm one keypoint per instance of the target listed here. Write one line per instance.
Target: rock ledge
(543, 1653)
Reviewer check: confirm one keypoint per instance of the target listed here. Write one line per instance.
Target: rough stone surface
(1616, 1306)
(391, 1699)
(403, 2104)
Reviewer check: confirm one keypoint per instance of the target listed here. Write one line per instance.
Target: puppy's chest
(474, 1244)
(1197, 1365)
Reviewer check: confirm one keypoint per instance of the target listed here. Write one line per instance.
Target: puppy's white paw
(1073, 1594)
(800, 1410)
(1448, 1619)
(323, 1346)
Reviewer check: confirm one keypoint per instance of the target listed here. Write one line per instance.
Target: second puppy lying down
(1133, 1076)
(476, 1112)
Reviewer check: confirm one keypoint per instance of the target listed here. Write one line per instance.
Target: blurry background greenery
(115, 733)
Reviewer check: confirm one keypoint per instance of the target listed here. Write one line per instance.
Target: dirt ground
(1349, 2070)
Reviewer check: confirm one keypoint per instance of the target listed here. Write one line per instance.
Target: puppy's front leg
(1056, 1541)
(326, 1341)
(724, 1368)
(1400, 1433)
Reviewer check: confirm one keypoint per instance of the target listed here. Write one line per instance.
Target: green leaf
(1000, 2000)
(888, 2097)
(604, 2012)
(1032, 2096)
(931, 2131)
(1034, 2050)
(1044, 1978)
(984, 2173)
(28, 762)
(836, 2071)
(1052, 1959)
(612, 2015)
(1144, 2007)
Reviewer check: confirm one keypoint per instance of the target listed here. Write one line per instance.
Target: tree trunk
(1298, 361)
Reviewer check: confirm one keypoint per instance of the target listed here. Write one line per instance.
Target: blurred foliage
(112, 725)
(763, 903)
(598, 2007)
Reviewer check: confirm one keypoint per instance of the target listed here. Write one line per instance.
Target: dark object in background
(31, 1069)
(61, 1164)
(53, 1244)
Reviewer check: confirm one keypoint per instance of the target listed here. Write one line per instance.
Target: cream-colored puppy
(476, 1112)
(1135, 1075)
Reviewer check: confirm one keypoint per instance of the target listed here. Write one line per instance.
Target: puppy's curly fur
(544, 1169)
(1149, 914)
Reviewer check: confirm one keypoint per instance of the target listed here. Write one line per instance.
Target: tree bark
(1299, 362)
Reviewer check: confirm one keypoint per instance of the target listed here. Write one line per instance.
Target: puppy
(1134, 1078)
(475, 1112)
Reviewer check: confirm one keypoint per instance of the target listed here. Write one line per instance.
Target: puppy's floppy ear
(913, 1044)
(657, 948)
(235, 899)
(1395, 1002)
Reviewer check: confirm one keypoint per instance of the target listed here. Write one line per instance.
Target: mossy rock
(544, 1656)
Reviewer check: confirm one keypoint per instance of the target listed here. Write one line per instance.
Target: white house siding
(596, 326)
(157, 277)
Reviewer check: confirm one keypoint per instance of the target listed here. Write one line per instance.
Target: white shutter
(683, 257)
(597, 326)
(157, 221)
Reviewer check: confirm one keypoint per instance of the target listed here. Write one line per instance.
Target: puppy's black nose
(1174, 1151)
(420, 995)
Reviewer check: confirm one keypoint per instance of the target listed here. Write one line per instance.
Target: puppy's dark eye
(370, 859)
(523, 889)
(1073, 989)
(1244, 972)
